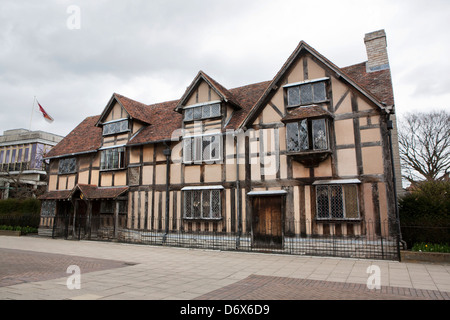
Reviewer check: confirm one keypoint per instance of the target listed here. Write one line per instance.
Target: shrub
(12, 206)
(424, 213)
(24, 230)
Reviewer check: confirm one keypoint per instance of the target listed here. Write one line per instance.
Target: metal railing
(364, 240)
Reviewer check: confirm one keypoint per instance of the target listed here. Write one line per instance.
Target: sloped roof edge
(292, 58)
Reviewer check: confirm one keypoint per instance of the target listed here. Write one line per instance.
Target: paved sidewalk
(33, 268)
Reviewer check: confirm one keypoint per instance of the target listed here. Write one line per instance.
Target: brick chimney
(376, 46)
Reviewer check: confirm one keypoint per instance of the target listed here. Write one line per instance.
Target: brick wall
(376, 46)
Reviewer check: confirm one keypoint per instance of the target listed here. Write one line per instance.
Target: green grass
(431, 247)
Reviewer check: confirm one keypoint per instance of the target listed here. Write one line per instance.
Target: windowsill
(307, 152)
(338, 220)
(207, 162)
(110, 170)
(308, 104)
(203, 219)
(203, 119)
(116, 133)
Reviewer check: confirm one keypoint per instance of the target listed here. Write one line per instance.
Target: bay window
(307, 135)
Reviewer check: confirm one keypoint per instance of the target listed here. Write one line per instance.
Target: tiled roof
(162, 119)
(90, 192)
(379, 83)
(163, 122)
(56, 195)
(247, 96)
(305, 112)
(86, 137)
(134, 108)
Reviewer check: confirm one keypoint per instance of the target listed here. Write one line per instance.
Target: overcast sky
(151, 50)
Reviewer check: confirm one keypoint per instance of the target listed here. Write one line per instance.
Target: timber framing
(206, 161)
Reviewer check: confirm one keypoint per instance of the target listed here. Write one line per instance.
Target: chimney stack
(376, 46)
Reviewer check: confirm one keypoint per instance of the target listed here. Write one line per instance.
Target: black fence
(413, 234)
(338, 239)
(20, 221)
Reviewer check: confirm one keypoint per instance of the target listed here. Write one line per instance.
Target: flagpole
(32, 110)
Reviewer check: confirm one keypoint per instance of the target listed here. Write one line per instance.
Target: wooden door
(267, 224)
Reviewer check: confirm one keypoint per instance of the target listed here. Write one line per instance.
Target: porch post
(116, 219)
(75, 209)
(89, 214)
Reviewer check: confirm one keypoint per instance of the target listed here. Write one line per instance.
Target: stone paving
(33, 268)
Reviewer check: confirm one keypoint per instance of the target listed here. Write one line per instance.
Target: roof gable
(302, 49)
(221, 91)
(136, 110)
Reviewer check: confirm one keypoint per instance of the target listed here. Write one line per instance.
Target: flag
(44, 113)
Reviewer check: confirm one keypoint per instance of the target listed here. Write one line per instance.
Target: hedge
(424, 213)
(20, 212)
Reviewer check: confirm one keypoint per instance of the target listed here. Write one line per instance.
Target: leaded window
(202, 204)
(202, 112)
(307, 135)
(113, 159)
(116, 127)
(206, 148)
(337, 201)
(48, 208)
(67, 166)
(308, 93)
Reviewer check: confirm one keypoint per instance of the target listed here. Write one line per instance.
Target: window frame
(310, 135)
(109, 123)
(200, 108)
(72, 167)
(190, 193)
(195, 144)
(121, 152)
(345, 202)
(309, 83)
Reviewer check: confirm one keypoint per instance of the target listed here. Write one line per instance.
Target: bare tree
(424, 143)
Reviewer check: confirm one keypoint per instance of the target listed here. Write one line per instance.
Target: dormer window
(202, 111)
(115, 127)
(306, 93)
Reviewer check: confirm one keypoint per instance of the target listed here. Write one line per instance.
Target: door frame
(260, 194)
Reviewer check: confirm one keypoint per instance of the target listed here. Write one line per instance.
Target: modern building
(306, 154)
(22, 170)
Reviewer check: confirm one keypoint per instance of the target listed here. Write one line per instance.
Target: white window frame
(194, 153)
(116, 121)
(120, 161)
(202, 107)
(303, 83)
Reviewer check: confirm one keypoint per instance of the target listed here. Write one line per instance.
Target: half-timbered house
(308, 154)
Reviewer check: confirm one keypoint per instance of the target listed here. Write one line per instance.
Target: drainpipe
(238, 194)
(390, 126)
(167, 153)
